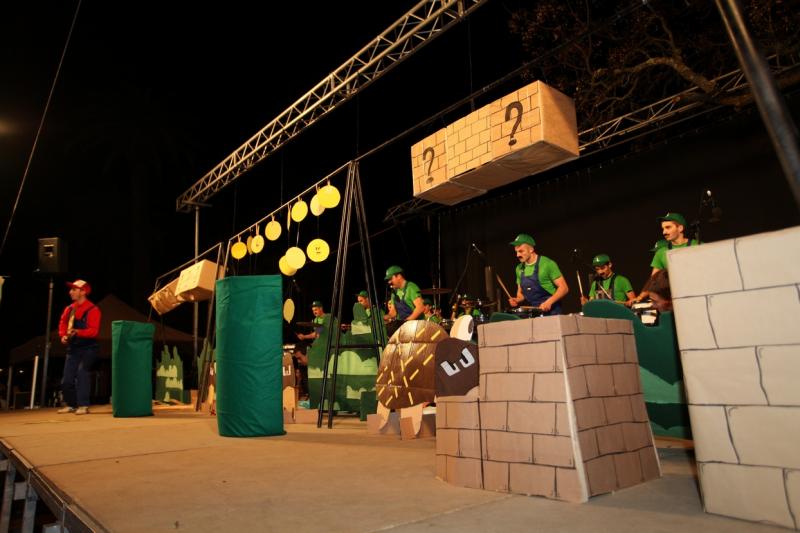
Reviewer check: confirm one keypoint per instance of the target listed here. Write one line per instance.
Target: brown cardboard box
(629, 469)
(506, 332)
(308, 416)
(568, 486)
(494, 415)
(532, 417)
(535, 357)
(536, 480)
(196, 282)
(587, 440)
(562, 420)
(602, 475)
(552, 450)
(618, 409)
(464, 472)
(599, 380)
(166, 299)
(610, 349)
(580, 350)
(577, 383)
(610, 439)
(590, 413)
(509, 447)
(495, 476)
(626, 379)
(509, 387)
(549, 387)
(447, 442)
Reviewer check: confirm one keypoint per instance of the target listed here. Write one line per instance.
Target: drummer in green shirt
(406, 297)
(430, 314)
(609, 285)
(673, 226)
(318, 320)
(539, 280)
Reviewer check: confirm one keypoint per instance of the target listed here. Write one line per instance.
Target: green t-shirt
(622, 286)
(548, 273)
(660, 257)
(408, 294)
(361, 313)
(433, 318)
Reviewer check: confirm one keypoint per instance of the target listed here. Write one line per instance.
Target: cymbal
(306, 324)
(435, 290)
(487, 304)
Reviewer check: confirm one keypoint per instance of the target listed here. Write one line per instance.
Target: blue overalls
(81, 355)
(402, 308)
(533, 291)
(599, 294)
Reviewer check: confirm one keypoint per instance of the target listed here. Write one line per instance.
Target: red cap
(80, 284)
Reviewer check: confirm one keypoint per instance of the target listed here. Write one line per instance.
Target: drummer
(430, 311)
(539, 280)
(319, 320)
(607, 284)
(406, 300)
(362, 309)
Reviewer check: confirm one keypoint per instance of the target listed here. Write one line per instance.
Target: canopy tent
(113, 309)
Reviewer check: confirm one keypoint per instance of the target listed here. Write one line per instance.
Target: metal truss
(650, 117)
(425, 21)
(661, 112)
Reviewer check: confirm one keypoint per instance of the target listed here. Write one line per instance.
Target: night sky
(152, 95)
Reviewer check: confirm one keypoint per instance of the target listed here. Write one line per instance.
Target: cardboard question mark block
(468, 141)
(429, 172)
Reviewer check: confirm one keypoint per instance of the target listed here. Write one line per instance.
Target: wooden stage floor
(172, 471)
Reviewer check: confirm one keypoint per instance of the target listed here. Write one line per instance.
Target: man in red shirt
(78, 329)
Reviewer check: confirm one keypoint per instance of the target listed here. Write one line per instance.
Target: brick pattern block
(560, 412)
(736, 307)
(523, 133)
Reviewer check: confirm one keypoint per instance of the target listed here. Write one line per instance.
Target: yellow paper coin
(258, 244)
(295, 257)
(273, 230)
(239, 250)
(288, 310)
(318, 250)
(284, 267)
(329, 196)
(299, 211)
(249, 244)
(316, 207)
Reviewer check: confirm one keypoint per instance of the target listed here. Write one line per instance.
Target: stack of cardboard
(559, 414)
(196, 282)
(523, 133)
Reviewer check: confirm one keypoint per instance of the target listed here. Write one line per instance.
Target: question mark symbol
(518, 106)
(430, 163)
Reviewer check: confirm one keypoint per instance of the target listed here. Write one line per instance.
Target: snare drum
(526, 311)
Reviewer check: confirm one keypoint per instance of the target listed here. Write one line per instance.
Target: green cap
(523, 238)
(316, 303)
(673, 217)
(600, 260)
(392, 270)
(363, 294)
(659, 244)
(427, 301)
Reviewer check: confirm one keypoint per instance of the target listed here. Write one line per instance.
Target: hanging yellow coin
(295, 257)
(239, 250)
(258, 242)
(273, 230)
(318, 250)
(288, 310)
(299, 211)
(316, 207)
(329, 196)
(249, 244)
(284, 267)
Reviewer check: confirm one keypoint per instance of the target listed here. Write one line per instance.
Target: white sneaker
(83, 410)
(65, 410)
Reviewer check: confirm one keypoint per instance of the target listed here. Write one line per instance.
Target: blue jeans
(77, 372)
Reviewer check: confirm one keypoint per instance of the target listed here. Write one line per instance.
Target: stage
(172, 471)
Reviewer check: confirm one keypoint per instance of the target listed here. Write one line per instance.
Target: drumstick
(500, 281)
(580, 285)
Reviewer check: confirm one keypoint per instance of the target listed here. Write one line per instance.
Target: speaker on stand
(52, 260)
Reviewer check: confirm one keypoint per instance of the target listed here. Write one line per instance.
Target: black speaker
(52, 255)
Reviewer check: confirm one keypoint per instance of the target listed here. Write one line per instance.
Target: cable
(39, 130)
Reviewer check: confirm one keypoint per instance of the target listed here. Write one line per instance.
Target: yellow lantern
(284, 267)
(299, 211)
(318, 250)
(258, 242)
(273, 230)
(239, 249)
(329, 196)
(288, 310)
(316, 207)
(295, 258)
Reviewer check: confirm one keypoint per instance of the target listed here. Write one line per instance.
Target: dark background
(151, 96)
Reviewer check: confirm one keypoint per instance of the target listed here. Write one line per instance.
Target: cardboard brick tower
(560, 412)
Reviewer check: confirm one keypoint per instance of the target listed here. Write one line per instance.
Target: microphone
(474, 247)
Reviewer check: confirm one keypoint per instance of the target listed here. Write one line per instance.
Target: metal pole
(770, 102)
(8, 392)
(33, 383)
(29, 514)
(196, 311)
(8, 497)
(46, 346)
